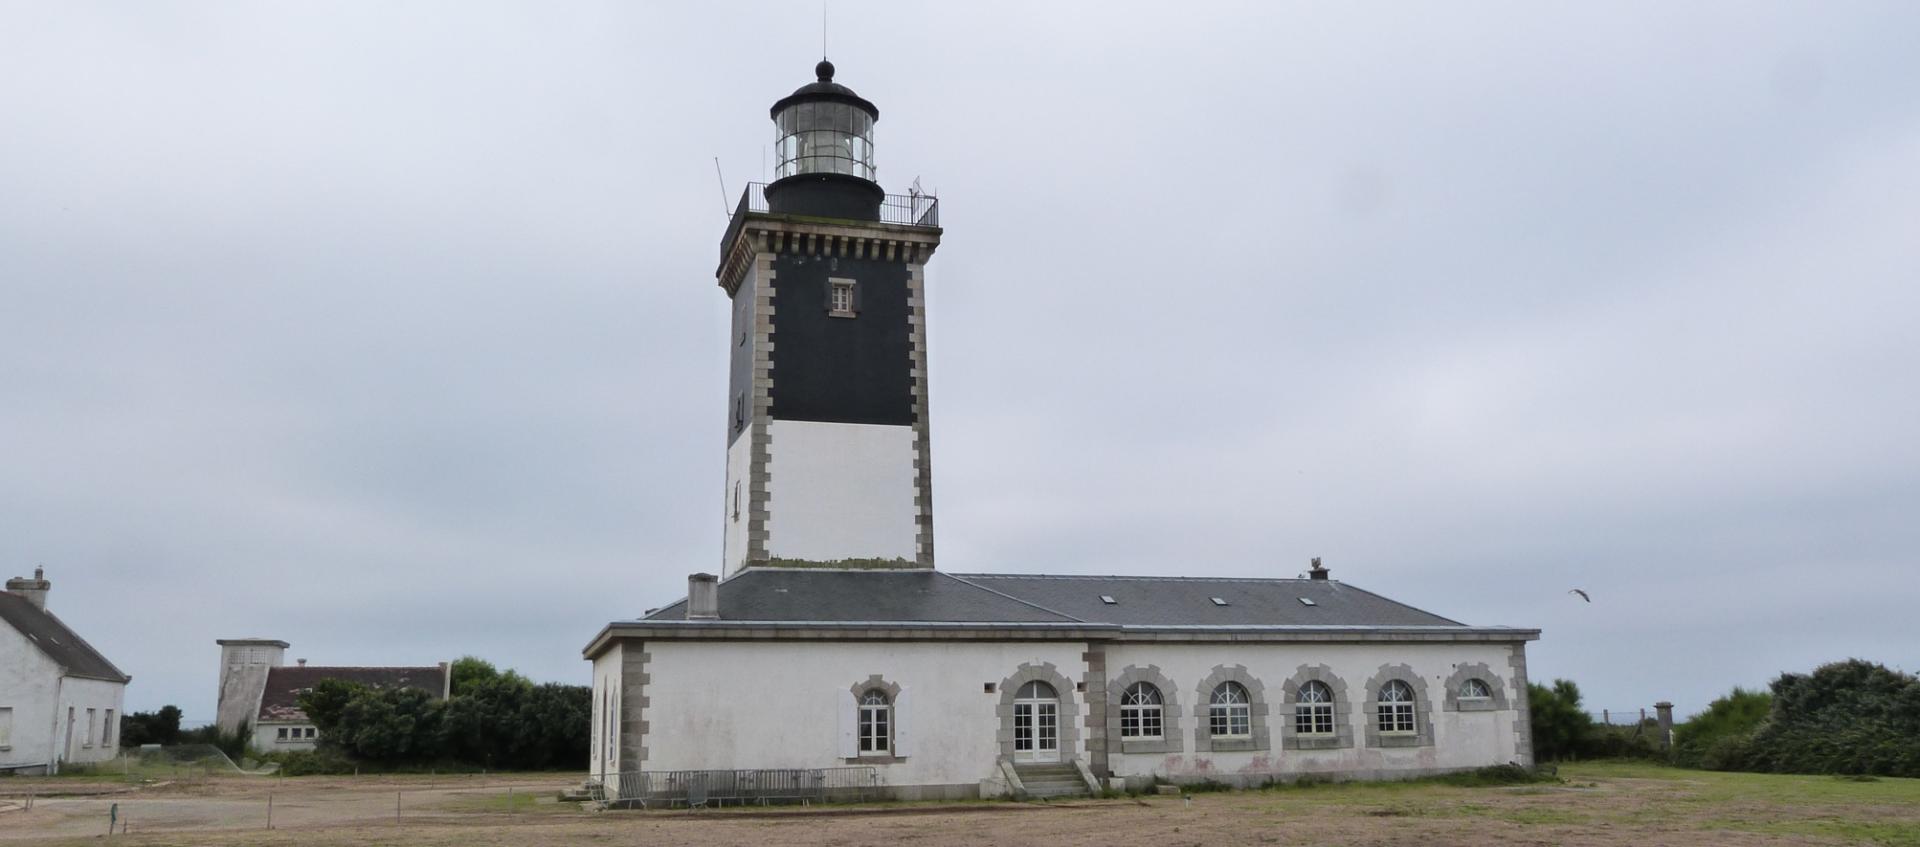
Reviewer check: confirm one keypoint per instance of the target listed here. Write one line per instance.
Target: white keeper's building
(833, 642)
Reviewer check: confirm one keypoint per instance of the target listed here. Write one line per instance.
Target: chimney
(1319, 571)
(703, 597)
(301, 662)
(35, 589)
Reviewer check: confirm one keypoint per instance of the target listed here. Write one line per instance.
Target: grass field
(1593, 804)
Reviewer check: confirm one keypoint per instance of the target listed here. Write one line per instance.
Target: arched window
(1313, 710)
(1229, 713)
(1036, 690)
(1475, 689)
(1396, 708)
(876, 723)
(1140, 713)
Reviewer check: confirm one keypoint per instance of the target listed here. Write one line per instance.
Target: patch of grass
(1883, 833)
(1778, 789)
(518, 802)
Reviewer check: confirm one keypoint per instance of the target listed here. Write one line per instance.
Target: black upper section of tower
(824, 89)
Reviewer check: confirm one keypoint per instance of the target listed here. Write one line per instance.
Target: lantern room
(823, 160)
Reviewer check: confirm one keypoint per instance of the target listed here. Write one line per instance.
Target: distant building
(258, 691)
(832, 643)
(60, 700)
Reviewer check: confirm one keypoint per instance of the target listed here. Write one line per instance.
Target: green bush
(494, 720)
(161, 727)
(1639, 741)
(1717, 738)
(1851, 717)
(1561, 730)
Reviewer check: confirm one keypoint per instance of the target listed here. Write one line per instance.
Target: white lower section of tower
(840, 491)
(738, 502)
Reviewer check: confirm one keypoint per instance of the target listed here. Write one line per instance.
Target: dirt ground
(1597, 804)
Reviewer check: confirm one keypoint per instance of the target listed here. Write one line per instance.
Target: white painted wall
(32, 685)
(604, 758)
(739, 465)
(1461, 739)
(840, 491)
(724, 705)
(243, 678)
(266, 737)
(29, 684)
(80, 695)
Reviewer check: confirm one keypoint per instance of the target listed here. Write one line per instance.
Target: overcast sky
(391, 330)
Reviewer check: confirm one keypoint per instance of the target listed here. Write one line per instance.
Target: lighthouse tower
(827, 453)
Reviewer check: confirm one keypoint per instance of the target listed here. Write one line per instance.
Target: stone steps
(1051, 781)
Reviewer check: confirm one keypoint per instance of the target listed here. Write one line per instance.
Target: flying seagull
(1583, 594)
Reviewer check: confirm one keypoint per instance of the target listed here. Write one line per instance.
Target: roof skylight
(1308, 601)
(1108, 599)
(1219, 601)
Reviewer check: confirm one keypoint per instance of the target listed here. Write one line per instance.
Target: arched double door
(1036, 723)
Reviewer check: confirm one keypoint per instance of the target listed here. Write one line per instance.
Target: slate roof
(281, 699)
(61, 644)
(779, 594)
(1188, 601)
(921, 596)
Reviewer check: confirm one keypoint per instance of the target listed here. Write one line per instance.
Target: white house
(60, 700)
(258, 691)
(833, 643)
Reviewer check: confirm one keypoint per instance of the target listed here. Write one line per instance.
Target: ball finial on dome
(824, 71)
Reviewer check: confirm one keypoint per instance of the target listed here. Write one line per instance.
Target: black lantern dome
(823, 159)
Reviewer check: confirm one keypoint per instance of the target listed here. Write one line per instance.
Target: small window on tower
(736, 500)
(840, 299)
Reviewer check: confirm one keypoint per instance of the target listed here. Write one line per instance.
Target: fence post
(396, 807)
(269, 810)
(1665, 710)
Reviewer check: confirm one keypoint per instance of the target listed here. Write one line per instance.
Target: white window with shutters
(6, 727)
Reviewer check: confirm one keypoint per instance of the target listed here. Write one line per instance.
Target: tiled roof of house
(920, 596)
(281, 700)
(60, 643)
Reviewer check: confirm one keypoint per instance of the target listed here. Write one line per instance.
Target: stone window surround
(1169, 740)
(1422, 735)
(834, 285)
(1203, 740)
(1480, 671)
(1342, 736)
(892, 690)
(1063, 688)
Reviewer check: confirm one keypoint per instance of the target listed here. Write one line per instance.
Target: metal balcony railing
(917, 210)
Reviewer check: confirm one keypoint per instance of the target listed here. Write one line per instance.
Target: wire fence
(1631, 716)
(287, 805)
(175, 762)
